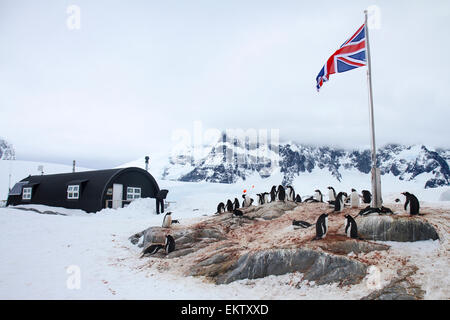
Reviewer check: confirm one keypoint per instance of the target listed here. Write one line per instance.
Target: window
(26, 193)
(133, 193)
(73, 192)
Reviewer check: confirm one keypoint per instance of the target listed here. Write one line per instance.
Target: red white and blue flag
(351, 55)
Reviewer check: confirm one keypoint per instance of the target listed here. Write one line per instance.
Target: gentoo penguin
(260, 198)
(367, 196)
(266, 197)
(354, 199)
(368, 210)
(281, 193)
(251, 201)
(175, 221)
(290, 194)
(321, 226)
(167, 221)
(339, 202)
(273, 194)
(220, 208)
(238, 213)
(247, 201)
(318, 195)
(170, 244)
(331, 194)
(411, 204)
(298, 199)
(229, 206)
(152, 249)
(236, 203)
(351, 230)
(302, 224)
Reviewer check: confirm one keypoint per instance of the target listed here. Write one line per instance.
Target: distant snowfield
(37, 250)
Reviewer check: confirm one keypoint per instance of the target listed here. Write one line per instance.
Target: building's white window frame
(26, 193)
(73, 192)
(133, 193)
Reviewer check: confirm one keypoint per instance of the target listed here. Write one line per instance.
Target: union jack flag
(351, 55)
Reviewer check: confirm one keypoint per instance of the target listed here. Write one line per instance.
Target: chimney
(73, 166)
(146, 162)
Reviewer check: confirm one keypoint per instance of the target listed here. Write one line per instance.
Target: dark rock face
(316, 266)
(402, 229)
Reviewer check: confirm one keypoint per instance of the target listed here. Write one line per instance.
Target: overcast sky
(117, 88)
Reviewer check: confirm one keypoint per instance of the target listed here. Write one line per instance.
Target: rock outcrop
(395, 228)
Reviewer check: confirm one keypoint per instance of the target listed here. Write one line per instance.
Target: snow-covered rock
(231, 160)
(6, 150)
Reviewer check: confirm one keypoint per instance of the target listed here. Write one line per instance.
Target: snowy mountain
(6, 150)
(232, 160)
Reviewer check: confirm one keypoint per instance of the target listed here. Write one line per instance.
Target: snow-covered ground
(41, 254)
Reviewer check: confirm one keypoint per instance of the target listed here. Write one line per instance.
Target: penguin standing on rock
(318, 195)
(167, 221)
(321, 226)
(281, 193)
(298, 199)
(220, 208)
(331, 194)
(169, 244)
(351, 229)
(411, 204)
(229, 206)
(367, 196)
(290, 195)
(236, 203)
(339, 202)
(260, 198)
(266, 196)
(273, 194)
(247, 201)
(354, 199)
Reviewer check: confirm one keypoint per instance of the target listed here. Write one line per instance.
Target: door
(117, 196)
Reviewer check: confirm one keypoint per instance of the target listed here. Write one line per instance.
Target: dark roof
(53, 187)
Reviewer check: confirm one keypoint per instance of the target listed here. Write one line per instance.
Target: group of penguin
(169, 244)
(351, 229)
(276, 194)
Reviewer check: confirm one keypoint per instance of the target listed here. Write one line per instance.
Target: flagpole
(376, 183)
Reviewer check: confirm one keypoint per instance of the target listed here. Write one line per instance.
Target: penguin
(236, 203)
(302, 224)
(152, 249)
(367, 196)
(169, 245)
(251, 201)
(247, 201)
(167, 221)
(411, 204)
(260, 198)
(331, 194)
(220, 208)
(298, 199)
(175, 221)
(281, 193)
(321, 226)
(290, 194)
(354, 199)
(238, 213)
(351, 229)
(229, 206)
(318, 195)
(368, 210)
(266, 197)
(273, 194)
(339, 202)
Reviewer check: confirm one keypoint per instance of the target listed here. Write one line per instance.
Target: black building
(90, 191)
